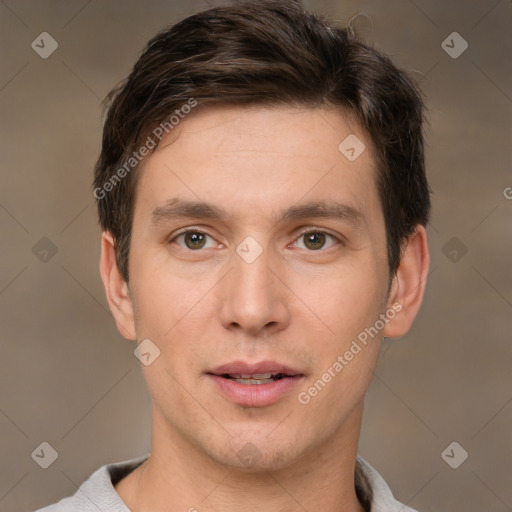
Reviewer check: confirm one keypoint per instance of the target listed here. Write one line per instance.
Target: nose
(253, 297)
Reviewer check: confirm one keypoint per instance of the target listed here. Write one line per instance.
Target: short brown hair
(265, 52)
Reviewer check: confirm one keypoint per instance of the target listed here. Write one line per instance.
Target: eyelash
(301, 234)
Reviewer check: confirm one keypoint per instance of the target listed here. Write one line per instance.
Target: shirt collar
(371, 489)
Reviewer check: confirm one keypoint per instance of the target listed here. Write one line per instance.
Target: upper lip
(243, 368)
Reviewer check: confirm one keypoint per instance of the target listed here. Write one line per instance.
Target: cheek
(161, 298)
(177, 314)
(344, 361)
(348, 300)
(348, 352)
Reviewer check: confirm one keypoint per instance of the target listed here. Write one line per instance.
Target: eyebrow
(177, 208)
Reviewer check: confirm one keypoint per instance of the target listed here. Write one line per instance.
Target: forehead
(254, 161)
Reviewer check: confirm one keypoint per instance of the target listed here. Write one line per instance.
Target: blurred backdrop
(67, 376)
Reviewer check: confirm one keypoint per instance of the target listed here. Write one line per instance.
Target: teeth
(255, 376)
(262, 376)
(253, 381)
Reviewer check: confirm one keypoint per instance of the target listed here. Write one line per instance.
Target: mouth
(254, 385)
(256, 378)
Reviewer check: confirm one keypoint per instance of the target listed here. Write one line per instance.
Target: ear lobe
(408, 286)
(116, 288)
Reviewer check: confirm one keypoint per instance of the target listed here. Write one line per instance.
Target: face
(258, 258)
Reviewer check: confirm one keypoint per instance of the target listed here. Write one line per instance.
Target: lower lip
(255, 395)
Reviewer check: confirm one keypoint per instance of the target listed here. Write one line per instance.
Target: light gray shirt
(97, 493)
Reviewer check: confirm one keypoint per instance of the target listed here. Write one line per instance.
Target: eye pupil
(315, 240)
(197, 240)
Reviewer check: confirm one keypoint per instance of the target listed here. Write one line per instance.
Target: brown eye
(314, 241)
(194, 240)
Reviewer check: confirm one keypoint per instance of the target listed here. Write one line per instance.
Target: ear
(116, 288)
(408, 285)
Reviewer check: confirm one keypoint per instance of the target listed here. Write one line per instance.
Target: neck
(180, 477)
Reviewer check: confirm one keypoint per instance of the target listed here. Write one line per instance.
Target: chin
(257, 453)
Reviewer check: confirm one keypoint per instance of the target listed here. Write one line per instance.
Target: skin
(299, 306)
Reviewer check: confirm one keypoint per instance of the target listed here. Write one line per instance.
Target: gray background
(68, 378)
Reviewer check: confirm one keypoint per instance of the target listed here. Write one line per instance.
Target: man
(262, 194)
